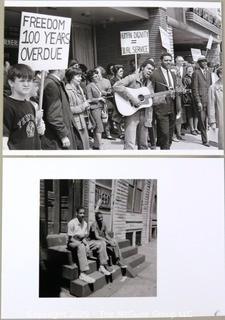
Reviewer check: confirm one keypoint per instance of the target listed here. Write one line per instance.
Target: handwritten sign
(44, 41)
(210, 42)
(165, 39)
(196, 53)
(134, 42)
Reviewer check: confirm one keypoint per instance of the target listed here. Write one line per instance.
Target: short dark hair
(21, 71)
(146, 62)
(79, 208)
(97, 213)
(108, 68)
(71, 72)
(73, 62)
(90, 74)
(116, 67)
(165, 54)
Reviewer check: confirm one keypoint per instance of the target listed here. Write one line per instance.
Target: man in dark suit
(163, 80)
(201, 81)
(61, 132)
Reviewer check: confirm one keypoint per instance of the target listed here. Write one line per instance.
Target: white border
(72, 3)
(190, 244)
(60, 3)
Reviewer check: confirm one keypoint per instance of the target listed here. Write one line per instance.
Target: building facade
(95, 36)
(129, 207)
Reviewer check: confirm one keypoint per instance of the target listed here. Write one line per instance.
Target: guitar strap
(163, 84)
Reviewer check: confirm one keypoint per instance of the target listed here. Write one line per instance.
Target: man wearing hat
(201, 81)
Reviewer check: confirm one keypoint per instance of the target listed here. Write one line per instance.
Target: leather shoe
(110, 138)
(194, 133)
(206, 144)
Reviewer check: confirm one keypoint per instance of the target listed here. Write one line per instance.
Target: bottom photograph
(98, 238)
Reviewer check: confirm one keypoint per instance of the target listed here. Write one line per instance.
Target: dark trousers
(202, 124)
(165, 129)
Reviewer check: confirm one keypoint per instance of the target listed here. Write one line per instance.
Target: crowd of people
(79, 108)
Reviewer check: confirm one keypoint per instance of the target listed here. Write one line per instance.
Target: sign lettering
(44, 41)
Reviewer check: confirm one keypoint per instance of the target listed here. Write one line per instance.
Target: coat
(76, 105)
(57, 116)
(159, 84)
(215, 109)
(200, 86)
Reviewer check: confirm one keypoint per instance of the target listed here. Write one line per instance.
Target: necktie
(169, 81)
(204, 72)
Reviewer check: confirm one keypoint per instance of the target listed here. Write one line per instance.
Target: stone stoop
(59, 255)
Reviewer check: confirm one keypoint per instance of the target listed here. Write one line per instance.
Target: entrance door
(83, 44)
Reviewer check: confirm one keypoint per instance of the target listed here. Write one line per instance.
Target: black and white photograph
(112, 203)
(151, 246)
(98, 238)
(112, 77)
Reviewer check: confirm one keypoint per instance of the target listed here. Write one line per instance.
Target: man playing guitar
(137, 124)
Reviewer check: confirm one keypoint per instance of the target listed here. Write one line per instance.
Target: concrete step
(70, 272)
(123, 243)
(56, 239)
(80, 288)
(139, 268)
(135, 260)
(60, 254)
(128, 251)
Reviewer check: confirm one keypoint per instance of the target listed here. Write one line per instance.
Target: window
(135, 195)
(103, 191)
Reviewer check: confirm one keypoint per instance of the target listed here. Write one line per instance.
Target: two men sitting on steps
(82, 245)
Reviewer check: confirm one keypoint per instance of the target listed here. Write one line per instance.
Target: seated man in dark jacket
(98, 231)
(61, 132)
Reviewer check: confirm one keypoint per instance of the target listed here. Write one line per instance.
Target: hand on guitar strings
(135, 102)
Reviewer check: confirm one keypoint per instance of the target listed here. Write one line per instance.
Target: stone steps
(80, 288)
(59, 255)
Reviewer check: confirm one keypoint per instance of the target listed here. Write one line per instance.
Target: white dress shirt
(164, 71)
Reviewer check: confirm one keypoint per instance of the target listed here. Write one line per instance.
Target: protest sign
(209, 43)
(134, 42)
(196, 53)
(165, 39)
(44, 41)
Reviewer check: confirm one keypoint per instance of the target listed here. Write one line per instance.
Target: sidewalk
(190, 143)
(143, 285)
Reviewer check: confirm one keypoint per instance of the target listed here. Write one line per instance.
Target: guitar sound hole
(141, 97)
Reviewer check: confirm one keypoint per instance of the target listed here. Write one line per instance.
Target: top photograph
(113, 78)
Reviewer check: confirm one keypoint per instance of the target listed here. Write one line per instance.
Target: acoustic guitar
(126, 108)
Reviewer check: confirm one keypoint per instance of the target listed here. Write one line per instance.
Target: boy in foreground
(19, 123)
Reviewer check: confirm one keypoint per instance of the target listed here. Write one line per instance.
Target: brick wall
(157, 18)
(108, 38)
